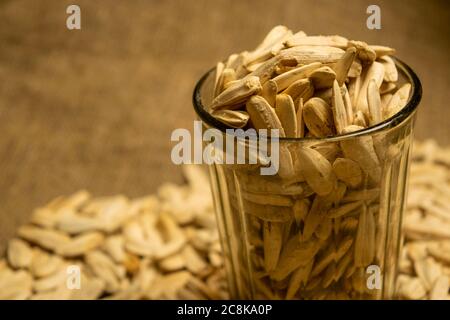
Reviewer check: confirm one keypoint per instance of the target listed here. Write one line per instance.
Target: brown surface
(95, 108)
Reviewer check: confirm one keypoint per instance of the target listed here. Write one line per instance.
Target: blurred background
(94, 108)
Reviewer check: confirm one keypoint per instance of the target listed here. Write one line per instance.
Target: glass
(281, 240)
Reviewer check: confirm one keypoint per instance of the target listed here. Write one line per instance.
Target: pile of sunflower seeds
(308, 85)
(128, 252)
(315, 226)
(163, 246)
(425, 263)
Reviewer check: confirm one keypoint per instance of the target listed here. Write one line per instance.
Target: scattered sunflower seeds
(146, 255)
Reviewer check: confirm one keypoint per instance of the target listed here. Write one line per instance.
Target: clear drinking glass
(282, 240)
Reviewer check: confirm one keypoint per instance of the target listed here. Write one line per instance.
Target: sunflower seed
(217, 85)
(390, 70)
(412, 289)
(385, 99)
(15, 285)
(262, 115)
(342, 66)
(348, 171)
(276, 35)
(339, 110)
(53, 281)
(317, 171)
(104, 268)
(268, 199)
(428, 270)
(44, 264)
(19, 254)
(264, 185)
(312, 54)
(48, 239)
(328, 149)
(234, 119)
(354, 88)
(269, 92)
(294, 255)
(374, 103)
(387, 87)
(228, 76)
(237, 93)
(359, 119)
(318, 117)
(361, 151)
(316, 215)
(300, 89)
(331, 41)
(272, 233)
(284, 80)
(193, 261)
(382, 51)
(365, 239)
(376, 72)
(356, 69)
(91, 288)
(322, 77)
(364, 51)
(440, 288)
(301, 209)
(285, 111)
(299, 277)
(398, 101)
(344, 209)
(81, 244)
(300, 120)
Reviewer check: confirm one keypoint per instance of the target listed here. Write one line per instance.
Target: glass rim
(389, 123)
